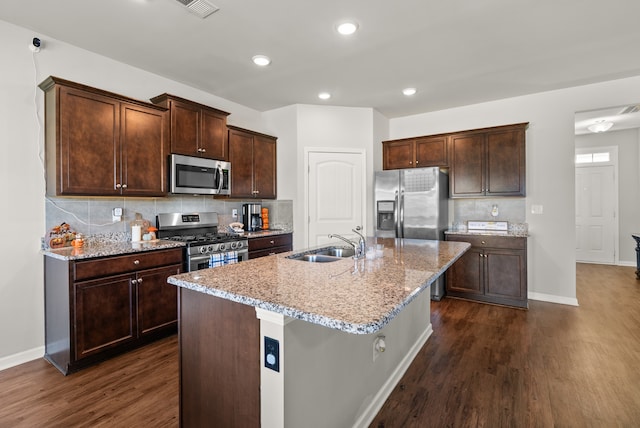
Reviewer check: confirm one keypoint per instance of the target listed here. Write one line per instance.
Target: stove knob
(210, 249)
(233, 245)
(202, 250)
(239, 245)
(222, 247)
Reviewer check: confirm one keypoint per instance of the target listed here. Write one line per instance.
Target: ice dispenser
(386, 210)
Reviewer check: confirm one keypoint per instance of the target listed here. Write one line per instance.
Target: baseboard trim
(387, 388)
(21, 358)
(552, 298)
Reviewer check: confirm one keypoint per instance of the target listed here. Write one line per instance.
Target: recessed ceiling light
(347, 28)
(409, 91)
(324, 95)
(600, 126)
(261, 60)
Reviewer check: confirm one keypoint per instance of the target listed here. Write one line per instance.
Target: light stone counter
(269, 232)
(355, 296)
(104, 249)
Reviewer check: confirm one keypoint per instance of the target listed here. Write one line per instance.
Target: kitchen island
(279, 342)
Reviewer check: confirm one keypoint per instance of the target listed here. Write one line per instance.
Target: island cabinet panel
(268, 245)
(416, 153)
(253, 164)
(219, 362)
(98, 308)
(102, 144)
(196, 129)
(494, 270)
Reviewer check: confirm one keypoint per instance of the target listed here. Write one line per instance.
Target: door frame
(307, 171)
(613, 161)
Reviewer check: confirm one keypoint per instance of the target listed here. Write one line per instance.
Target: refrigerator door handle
(396, 214)
(401, 218)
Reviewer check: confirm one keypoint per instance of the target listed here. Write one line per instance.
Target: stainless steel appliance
(413, 203)
(252, 217)
(205, 244)
(199, 176)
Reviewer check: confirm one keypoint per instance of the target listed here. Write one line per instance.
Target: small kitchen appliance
(412, 203)
(205, 244)
(199, 176)
(252, 217)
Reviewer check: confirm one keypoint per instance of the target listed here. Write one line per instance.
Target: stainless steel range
(206, 245)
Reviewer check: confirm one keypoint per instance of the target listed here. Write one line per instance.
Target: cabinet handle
(417, 162)
(483, 242)
(140, 281)
(134, 281)
(410, 163)
(271, 242)
(136, 262)
(124, 186)
(118, 185)
(203, 150)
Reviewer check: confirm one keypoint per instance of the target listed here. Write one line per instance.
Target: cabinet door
(105, 315)
(144, 152)
(506, 163)
(506, 274)
(88, 152)
(465, 275)
(398, 154)
(185, 125)
(264, 167)
(432, 152)
(241, 158)
(157, 300)
(467, 165)
(213, 136)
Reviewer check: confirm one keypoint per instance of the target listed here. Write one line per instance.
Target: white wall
(628, 143)
(550, 167)
(22, 173)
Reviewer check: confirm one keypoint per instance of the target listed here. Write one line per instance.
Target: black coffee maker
(252, 217)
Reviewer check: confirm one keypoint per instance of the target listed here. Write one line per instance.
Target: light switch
(536, 209)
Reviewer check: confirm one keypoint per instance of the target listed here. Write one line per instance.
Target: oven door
(202, 261)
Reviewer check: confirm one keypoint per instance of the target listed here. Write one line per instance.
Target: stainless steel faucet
(359, 248)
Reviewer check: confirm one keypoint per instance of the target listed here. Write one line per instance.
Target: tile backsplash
(512, 210)
(91, 216)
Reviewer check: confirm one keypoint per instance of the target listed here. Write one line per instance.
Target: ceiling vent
(201, 8)
(630, 109)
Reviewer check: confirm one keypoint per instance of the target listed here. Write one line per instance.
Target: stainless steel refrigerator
(413, 203)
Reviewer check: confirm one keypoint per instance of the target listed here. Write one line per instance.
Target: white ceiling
(456, 52)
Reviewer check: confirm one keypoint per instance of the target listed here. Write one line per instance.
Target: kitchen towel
(216, 260)
(231, 257)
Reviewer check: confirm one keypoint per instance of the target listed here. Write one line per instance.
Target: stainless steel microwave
(199, 176)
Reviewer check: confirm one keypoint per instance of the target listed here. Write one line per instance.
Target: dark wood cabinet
(98, 308)
(196, 129)
(488, 162)
(268, 245)
(253, 164)
(494, 270)
(102, 144)
(416, 152)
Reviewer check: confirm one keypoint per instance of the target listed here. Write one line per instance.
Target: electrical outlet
(116, 214)
(379, 346)
(271, 354)
(234, 213)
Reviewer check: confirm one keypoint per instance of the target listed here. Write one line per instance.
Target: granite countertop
(510, 234)
(104, 249)
(355, 296)
(269, 232)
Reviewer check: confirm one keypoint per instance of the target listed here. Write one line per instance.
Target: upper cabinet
(488, 162)
(416, 152)
(196, 129)
(102, 144)
(253, 164)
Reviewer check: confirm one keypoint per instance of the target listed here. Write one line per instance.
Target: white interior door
(335, 194)
(595, 214)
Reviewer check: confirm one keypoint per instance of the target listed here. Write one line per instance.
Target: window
(601, 157)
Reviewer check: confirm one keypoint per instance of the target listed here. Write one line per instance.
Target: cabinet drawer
(123, 264)
(486, 241)
(269, 242)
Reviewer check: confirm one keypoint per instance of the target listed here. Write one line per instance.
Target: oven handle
(198, 258)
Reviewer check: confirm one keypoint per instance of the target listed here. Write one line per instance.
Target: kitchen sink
(323, 255)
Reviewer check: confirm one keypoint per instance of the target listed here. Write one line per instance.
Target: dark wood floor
(484, 366)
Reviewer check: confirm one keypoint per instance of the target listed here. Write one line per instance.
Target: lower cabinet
(98, 308)
(494, 270)
(267, 245)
